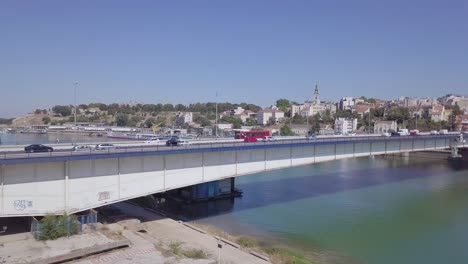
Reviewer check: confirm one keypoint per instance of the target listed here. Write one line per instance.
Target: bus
(252, 135)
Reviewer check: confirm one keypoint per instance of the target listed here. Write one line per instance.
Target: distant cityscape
(349, 115)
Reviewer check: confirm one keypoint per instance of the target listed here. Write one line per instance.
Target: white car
(184, 142)
(105, 146)
(152, 141)
(386, 134)
(433, 132)
(81, 148)
(268, 139)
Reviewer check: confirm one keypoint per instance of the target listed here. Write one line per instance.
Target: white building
(347, 103)
(313, 107)
(385, 126)
(267, 114)
(225, 126)
(344, 126)
(184, 118)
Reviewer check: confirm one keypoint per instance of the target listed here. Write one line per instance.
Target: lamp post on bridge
(75, 85)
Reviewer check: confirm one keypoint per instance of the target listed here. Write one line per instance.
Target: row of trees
(203, 108)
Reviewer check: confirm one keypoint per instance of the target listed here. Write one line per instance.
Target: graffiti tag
(103, 196)
(20, 205)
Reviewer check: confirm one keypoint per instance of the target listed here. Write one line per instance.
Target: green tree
(149, 122)
(46, 120)
(62, 110)
(286, 131)
(121, 119)
(56, 226)
(235, 121)
(399, 114)
(283, 104)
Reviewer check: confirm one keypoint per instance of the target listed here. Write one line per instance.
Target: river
(365, 210)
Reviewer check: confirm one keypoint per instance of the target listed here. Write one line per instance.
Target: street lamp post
(216, 118)
(75, 85)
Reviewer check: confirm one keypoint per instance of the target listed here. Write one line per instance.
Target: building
(362, 109)
(314, 106)
(347, 103)
(225, 126)
(437, 113)
(184, 118)
(408, 101)
(344, 126)
(385, 126)
(300, 130)
(463, 104)
(461, 123)
(264, 116)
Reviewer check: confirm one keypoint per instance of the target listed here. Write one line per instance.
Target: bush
(247, 242)
(56, 226)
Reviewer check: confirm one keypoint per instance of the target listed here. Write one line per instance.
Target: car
(395, 134)
(268, 139)
(173, 141)
(311, 136)
(386, 134)
(434, 132)
(105, 146)
(81, 148)
(38, 148)
(152, 141)
(184, 142)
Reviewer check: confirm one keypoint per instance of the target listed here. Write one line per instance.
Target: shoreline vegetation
(277, 253)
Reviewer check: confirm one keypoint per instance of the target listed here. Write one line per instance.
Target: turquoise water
(367, 210)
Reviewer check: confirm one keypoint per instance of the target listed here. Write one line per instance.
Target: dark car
(38, 148)
(173, 141)
(395, 134)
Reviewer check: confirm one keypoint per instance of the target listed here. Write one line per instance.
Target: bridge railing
(212, 145)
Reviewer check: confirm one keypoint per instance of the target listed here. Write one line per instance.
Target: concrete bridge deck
(68, 182)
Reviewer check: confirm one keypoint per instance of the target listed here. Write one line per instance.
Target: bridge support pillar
(2, 179)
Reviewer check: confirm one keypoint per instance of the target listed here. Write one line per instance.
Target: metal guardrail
(90, 152)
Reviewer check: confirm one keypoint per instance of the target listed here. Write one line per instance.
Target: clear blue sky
(253, 50)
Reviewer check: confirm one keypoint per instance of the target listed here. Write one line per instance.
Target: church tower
(316, 94)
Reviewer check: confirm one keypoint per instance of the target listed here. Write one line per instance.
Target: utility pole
(75, 84)
(369, 121)
(216, 118)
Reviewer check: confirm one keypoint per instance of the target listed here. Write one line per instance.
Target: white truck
(403, 132)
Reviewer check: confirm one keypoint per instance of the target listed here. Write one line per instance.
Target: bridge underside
(64, 187)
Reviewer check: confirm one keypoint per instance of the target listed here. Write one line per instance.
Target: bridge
(66, 182)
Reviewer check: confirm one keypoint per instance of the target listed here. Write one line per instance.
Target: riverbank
(276, 252)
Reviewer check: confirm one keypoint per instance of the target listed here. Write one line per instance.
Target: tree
(286, 131)
(235, 121)
(250, 122)
(46, 120)
(399, 114)
(121, 119)
(283, 104)
(62, 110)
(134, 120)
(180, 107)
(149, 122)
